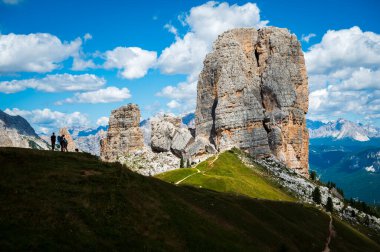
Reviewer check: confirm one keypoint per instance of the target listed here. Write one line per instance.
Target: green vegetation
(364, 207)
(329, 205)
(316, 195)
(313, 175)
(227, 173)
(73, 202)
(182, 163)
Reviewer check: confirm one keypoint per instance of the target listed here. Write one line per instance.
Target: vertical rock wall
(253, 94)
(124, 135)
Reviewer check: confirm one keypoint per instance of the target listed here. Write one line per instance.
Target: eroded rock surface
(15, 131)
(253, 94)
(124, 135)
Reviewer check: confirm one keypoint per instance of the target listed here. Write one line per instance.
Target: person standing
(64, 143)
(52, 139)
(60, 140)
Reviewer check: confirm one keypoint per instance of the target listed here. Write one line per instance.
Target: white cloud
(54, 83)
(343, 48)
(107, 95)
(172, 30)
(79, 63)
(183, 90)
(45, 120)
(173, 104)
(186, 54)
(11, 1)
(205, 23)
(133, 62)
(87, 36)
(307, 37)
(35, 52)
(344, 75)
(102, 121)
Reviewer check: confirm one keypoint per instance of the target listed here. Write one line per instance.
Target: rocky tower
(70, 141)
(253, 94)
(124, 135)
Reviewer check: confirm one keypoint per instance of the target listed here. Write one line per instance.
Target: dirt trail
(198, 171)
(331, 235)
(179, 181)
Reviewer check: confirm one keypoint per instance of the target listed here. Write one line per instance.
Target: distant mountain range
(348, 154)
(342, 129)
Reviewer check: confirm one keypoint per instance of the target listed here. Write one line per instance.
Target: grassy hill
(71, 201)
(227, 173)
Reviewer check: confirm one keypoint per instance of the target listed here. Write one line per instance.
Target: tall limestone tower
(124, 135)
(253, 94)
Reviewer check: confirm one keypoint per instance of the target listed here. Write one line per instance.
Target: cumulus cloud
(102, 121)
(186, 54)
(344, 48)
(133, 62)
(344, 75)
(45, 120)
(79, 63)
(173, 104)
(35, 52)
(54, 83)
(307, 37)
(107, 95)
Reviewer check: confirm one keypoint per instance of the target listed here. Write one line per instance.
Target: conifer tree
(329, 205)
(316, 195)
(182, 163)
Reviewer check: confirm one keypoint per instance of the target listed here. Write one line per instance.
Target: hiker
(52, 139)
(59, 138)
(64, 144)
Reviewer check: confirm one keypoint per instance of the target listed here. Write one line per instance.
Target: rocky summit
(253, 94)
(124, 135)
(15, 131)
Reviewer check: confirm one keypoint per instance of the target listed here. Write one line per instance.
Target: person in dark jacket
(52, 139)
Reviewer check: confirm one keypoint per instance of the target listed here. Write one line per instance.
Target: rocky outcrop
(163, 131)
(124, 135)
(15, 131)
(253, 94)
(70, 142)
(169, 134)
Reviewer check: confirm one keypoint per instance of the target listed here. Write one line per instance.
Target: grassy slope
(70, 201)
(229, 174)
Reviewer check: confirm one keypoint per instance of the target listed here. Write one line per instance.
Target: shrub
(316, 195)
(329, 205)
(313, 175)
(182, 163)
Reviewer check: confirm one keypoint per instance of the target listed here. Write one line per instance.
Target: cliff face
(253, 94)
(124, 135)
(15, 131)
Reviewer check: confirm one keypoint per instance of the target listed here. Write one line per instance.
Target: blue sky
(70, 62)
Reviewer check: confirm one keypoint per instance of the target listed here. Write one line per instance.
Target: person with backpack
(64, 143)
(52, 139)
